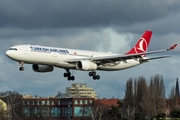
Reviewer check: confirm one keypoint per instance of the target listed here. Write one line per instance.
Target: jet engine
(86, 65)
(42, 68)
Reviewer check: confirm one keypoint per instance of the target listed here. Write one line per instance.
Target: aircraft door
(25, 51)
(54, 54)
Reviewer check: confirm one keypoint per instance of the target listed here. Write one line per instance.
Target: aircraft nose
(12, 54)
(8, 53)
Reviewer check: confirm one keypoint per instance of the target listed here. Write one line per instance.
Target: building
(173, 102)
(27, 96)
(54, 108)
(109, 102)
(80, 90)
(63, 95)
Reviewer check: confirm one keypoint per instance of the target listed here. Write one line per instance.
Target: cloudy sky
(98, 25)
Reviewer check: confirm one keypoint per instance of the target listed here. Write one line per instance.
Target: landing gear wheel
(21, 68)
(72, 78)
(65, 74)
(69, 78)
(94, 73)
(97, 77)
(90, 74)
(68, 75)
(94, 76)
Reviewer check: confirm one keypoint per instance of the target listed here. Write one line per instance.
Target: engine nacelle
(42, 68)
(86, 65)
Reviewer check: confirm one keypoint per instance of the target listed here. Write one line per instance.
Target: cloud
(64, 14)
(5, 88)
(166, 25)
(101, 25)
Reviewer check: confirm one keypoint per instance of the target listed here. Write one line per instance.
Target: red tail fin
(142, 44)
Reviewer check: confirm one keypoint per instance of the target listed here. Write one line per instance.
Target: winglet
(172, 47)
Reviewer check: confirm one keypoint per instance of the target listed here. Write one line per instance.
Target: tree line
(142, 100)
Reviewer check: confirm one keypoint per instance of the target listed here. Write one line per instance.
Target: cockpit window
(13, 48)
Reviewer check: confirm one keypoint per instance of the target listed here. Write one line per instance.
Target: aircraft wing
(114, 58)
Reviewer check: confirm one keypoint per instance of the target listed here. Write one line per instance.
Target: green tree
(175, 113)
(161, 116)
(115, 111)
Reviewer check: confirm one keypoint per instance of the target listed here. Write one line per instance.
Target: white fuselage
(58, 57)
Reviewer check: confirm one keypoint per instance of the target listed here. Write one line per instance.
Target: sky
(98, 25)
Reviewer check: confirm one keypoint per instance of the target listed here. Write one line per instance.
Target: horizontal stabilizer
(153, 58)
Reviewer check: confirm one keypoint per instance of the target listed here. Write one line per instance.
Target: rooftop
(109, 102)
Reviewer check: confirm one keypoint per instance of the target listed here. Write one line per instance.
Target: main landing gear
(91, 74)
(21, 68)
(68, 75)
(94, 76)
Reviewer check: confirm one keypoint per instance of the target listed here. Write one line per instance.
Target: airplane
(44, 58)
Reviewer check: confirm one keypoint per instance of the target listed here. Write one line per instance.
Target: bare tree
(143, 99)
(128, 108)
(153, 100)
(159, 94)
(143, 89)
(12, 99)
(141, 96)
(96, 110)
(127, 111)
(173, 99)
(129, 93)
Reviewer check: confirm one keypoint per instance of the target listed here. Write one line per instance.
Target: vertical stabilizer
(142, 44)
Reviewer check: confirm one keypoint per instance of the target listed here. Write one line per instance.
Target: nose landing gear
(21, 68)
